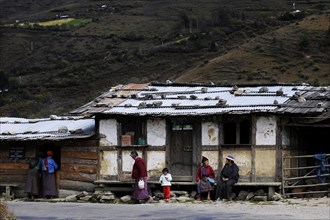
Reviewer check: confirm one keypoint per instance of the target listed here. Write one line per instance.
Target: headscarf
(231, 158)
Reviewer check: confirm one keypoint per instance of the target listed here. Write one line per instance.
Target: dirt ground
(316, 208)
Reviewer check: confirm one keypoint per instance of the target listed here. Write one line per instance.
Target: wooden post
(8, 192)
(197, 147)
(253, 148)
(278, 151)
(221, 142)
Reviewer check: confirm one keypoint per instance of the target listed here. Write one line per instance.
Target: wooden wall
(78, 166)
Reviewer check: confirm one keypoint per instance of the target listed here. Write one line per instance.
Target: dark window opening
(132, 132)
(237, 131)
(245, 132)
(229, 133)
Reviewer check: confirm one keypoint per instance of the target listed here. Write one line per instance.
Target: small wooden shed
(173, 125)
(72, 139)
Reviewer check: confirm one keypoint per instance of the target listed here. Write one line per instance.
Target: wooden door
(181, 152)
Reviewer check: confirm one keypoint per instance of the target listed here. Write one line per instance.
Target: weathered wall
(265, 162)
(78, 167)
(243, 159)
(156, 132)
(14, 171)
(108, 132)
(213, 157)
(109, 163)
(210, 133)
(127, 161)
(156, 163)
(266, 131)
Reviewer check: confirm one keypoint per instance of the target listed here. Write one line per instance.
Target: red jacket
(139, 169)
(209, 172)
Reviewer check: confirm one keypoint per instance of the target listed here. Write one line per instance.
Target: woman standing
(49, 181)
(139, 173)
(205, 177)
(32, 180)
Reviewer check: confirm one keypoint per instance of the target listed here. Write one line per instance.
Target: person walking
(48, 175)
(165, 180)
(204, 178)
(228, 177)
(139, 174)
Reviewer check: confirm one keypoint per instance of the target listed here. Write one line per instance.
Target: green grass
(79, 21)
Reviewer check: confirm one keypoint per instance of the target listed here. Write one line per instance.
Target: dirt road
(287, 209)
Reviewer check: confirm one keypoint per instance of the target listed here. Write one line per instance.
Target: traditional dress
(48, 175)
(140, 172)
(32, 180)
(207, 172)
(224, 188)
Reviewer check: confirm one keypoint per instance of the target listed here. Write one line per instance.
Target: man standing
(228, 177)
(139, 173)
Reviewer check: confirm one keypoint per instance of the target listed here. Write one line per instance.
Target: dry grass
(5, 214)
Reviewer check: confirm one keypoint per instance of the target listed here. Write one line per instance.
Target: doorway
(181, 151)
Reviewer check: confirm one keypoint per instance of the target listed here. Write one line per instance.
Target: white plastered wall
(266, 131)
(108, 132)
(210, 133)
(109, 165)
(156, 163)
(213, 157)
(127, 160)
(156, 132)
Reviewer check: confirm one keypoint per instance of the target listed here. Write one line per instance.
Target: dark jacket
(230, 171)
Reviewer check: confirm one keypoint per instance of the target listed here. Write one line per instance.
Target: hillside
(53, 69)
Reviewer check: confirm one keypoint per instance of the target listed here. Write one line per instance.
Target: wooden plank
(278, 169)
(12, 178)
(116, 189)
(197, 148)
(305, 177)
(78, 161)
(89, 169)
(23, 166)
(81, 177)
(80, 149)
(258, 184)
(13, 172)
(79, 155)
(310, 192)
(310, 185)
(76, 185)
(253, 148)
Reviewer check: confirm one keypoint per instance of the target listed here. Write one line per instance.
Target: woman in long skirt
(49, 180)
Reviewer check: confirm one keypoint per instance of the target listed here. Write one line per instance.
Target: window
(132, 131)
(237, 132)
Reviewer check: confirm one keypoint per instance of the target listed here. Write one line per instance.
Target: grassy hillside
(55, 68)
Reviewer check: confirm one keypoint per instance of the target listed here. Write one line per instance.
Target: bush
(5, 213)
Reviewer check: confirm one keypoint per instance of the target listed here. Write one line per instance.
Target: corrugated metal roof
(310, 100)
(46, 128)
(195, 99)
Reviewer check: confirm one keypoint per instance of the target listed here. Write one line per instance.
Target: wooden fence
(298, 175)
